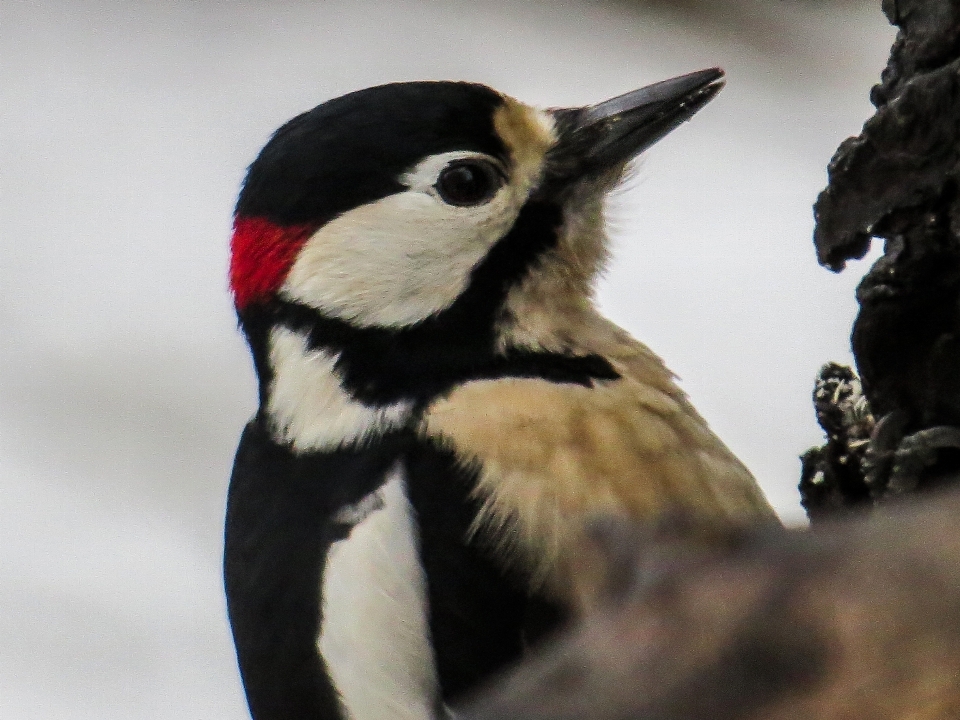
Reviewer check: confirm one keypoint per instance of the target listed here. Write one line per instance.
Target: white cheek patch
(308, 407)
(400, 259)
(375, 636)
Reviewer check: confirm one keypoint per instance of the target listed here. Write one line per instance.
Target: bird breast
(553, 455)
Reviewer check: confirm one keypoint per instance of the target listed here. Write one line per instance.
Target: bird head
(383, 207)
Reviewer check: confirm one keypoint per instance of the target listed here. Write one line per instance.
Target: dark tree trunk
(897, 181)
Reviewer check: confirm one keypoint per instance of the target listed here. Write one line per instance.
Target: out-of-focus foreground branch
(856, 620)
(860, 616)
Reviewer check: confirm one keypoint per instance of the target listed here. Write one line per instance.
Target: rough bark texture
(898, 181)
(860, 616)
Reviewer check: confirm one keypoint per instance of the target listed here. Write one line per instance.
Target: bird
(442, 407)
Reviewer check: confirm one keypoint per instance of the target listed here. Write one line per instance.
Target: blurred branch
(779, 30)
(856, 620)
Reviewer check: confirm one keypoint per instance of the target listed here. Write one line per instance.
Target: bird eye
(468, 182)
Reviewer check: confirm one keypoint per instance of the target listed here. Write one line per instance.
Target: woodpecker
(441, 404)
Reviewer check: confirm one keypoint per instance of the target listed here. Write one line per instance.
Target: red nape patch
(261, 254)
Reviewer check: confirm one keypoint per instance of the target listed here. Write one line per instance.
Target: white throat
(308, 407)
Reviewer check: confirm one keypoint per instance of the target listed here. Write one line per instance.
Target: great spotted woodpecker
(441, 405)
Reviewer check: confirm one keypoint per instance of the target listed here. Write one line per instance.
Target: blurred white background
(125, 129)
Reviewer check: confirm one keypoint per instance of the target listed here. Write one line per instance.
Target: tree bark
(897, 181)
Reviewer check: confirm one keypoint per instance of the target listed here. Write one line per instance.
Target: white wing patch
(308, 406)
(375, 637)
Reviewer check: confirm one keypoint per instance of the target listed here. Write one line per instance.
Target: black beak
(600, 137)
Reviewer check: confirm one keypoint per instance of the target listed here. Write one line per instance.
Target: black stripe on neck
(482, 617)
(381, 365)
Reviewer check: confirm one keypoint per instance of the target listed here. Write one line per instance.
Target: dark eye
(468, 182)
